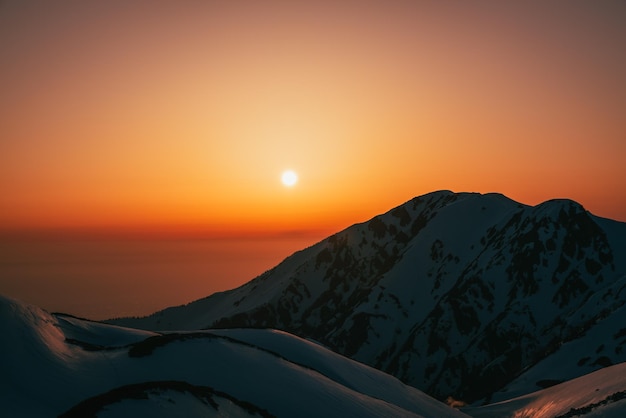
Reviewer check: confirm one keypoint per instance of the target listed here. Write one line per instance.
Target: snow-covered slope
(457, 294)
(55, 365)
(598, 394)
(41, 368)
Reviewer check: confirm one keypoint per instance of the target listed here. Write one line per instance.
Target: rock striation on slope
(457, 294)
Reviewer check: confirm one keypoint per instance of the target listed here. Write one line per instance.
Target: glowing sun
(289, 178)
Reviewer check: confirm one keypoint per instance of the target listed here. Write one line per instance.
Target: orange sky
(182, 115)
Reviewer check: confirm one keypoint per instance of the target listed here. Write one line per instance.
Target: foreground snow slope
(55, 364)
(598, 394)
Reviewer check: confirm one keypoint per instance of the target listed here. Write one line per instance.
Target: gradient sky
(182, 115)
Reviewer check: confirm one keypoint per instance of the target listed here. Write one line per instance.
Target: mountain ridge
(454, 293)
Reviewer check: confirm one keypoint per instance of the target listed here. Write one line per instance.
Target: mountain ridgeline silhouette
(457, 294)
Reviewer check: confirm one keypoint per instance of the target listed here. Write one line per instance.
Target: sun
(289, 178)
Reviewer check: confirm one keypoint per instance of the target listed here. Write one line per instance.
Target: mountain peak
(567, 207)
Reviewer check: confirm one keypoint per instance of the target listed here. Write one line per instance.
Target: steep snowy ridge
(457, 294)
(520, 298)
(54, 365)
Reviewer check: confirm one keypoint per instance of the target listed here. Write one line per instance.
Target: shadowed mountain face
(455, 294)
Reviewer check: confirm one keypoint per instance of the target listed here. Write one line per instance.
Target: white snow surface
(43, 375)
(355, 375)
(586, 391)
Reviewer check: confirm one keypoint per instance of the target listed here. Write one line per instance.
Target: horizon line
(162, 232)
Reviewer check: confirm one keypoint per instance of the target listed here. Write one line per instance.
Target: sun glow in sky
(176, 116)
(289, 178)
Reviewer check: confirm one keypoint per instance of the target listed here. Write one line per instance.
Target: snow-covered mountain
(458, 294)
(58, 365)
